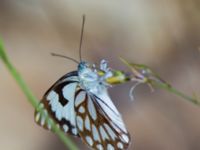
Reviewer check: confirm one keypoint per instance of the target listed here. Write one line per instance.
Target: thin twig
(32, 99)
(177, 92)
(144, 74)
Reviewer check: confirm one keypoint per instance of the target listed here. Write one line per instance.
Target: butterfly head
(83, 65)
(89, 76)
(86, 72)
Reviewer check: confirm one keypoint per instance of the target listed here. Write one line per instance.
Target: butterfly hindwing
(58, 103)
(95, 127)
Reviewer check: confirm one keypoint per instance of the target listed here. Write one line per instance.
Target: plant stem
(144, 74)
(31, 98)
(176, 92)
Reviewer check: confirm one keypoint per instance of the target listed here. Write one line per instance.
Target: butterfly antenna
(59, 55)
(81, 38)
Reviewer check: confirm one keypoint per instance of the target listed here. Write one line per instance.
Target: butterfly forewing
(58, 103)
(95, 127)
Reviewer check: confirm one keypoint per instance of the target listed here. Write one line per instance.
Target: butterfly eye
(83, 66)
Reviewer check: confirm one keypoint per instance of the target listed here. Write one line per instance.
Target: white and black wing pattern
(92, 116)
(98, 122)
(58, 103)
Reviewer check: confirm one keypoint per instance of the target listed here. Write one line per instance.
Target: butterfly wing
(58, 103)
(92, 116)
(98, 122)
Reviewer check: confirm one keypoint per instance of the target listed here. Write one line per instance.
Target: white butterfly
(79, 103)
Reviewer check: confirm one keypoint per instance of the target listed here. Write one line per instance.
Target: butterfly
(80, 104)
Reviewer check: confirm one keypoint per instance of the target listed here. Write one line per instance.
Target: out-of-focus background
(163, 34)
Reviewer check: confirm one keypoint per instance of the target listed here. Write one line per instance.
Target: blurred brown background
(163, 34)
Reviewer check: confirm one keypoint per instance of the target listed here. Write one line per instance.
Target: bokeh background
(163, 34)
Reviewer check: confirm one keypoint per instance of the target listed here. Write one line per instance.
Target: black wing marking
(58, 103)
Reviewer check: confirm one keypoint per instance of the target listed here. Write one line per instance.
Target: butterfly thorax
(89, 78)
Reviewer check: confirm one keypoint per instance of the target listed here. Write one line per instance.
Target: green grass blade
(31, 98)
